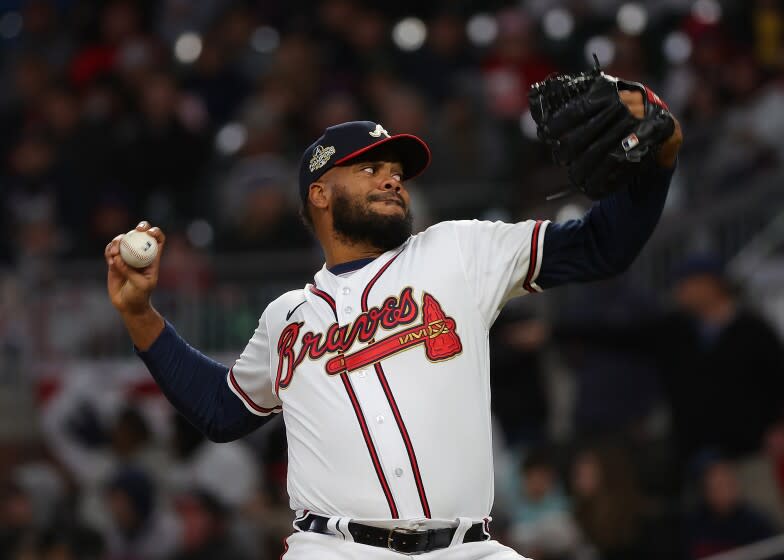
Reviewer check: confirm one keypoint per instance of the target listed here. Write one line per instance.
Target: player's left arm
(607, 239)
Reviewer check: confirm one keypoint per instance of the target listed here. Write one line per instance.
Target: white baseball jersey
(382, 375)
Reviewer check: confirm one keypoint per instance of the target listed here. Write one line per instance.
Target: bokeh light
(200, 233)
(231, 138)
(602, 47)
(265, 39)
(706, 11)
(187, 49)
(632, 18)
(558, 23)
(482, 29)
(409, 34)
(677, 47)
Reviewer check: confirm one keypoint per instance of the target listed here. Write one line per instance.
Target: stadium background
(193, 115)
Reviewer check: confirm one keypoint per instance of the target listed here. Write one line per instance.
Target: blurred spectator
(34, 190)
(219, 86)
(518, 392)
(760, 477)
(71, 542)
(138, 525)
(176, 17)
(336, 108)
(541, 525)
(445, 63)
(91, 450)
(748, 141)
(514, 64)
(258, 202)
(44, 35)
(291, 85)
(721, 357)
(29, 76)
(616, 384)
(205, 529)
(198, 463)
(467, 148)
(629, 58)
(405, 109)
(722, 521)
(185, 268)
(17, 523)
(611, 512)
(165, 158)
(368, 36)
(120, 23)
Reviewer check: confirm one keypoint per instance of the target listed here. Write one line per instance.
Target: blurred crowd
(672, 444)
(194, 114)
(624, 429)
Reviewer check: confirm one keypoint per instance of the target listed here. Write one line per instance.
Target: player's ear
(317, 195)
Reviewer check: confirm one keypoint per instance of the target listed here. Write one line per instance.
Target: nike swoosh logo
(290, 313)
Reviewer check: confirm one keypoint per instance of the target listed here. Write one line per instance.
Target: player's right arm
(130, 290)
(195, 384)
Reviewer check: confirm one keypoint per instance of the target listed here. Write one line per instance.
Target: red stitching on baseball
(132, 250)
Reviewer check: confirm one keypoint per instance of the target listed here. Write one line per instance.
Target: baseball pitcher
(379, 364)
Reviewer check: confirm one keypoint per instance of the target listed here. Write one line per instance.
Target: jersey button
(398, 472)
(379, 419)
(362, 372)
(348, 309)
(346, 290)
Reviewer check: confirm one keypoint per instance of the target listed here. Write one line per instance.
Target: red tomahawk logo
(436, 332)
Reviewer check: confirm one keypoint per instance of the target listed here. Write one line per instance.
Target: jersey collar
(350, 266)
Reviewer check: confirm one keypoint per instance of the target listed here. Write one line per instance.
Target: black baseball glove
(590, 130)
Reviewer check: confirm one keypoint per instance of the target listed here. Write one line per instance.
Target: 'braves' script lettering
(393, 312)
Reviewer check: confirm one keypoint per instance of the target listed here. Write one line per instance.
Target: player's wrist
(668, 153)
(143, 325)
(141, 312)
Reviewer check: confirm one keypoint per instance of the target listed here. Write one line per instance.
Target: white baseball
(138, 248)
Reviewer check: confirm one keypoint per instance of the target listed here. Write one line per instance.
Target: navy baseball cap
(343, 143)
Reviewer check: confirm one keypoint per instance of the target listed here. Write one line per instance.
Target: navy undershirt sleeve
(609, 237)
(196, 386)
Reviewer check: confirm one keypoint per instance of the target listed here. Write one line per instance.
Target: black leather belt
(404, 541)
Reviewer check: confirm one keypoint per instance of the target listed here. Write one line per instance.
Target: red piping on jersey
(406, 439)
(285, 547)
(381, 271)
(247, 399)
(534, 257)
(369, 442)
(326, 297)
(361, 418)
(393, 404)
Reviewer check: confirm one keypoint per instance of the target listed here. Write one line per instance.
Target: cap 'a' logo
(320, 157)
(378, 132)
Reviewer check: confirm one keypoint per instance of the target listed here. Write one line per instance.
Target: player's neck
(338, 252)
(339, 249)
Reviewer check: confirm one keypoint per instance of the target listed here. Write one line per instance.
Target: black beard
(354, 222)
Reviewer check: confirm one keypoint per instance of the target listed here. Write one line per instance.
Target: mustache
(395, 197)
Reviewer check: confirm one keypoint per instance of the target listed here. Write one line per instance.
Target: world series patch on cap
(343, 143)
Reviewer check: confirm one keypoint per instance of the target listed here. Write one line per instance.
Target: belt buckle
(406, 531)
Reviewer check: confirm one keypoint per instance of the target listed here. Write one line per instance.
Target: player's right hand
(129, 288)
